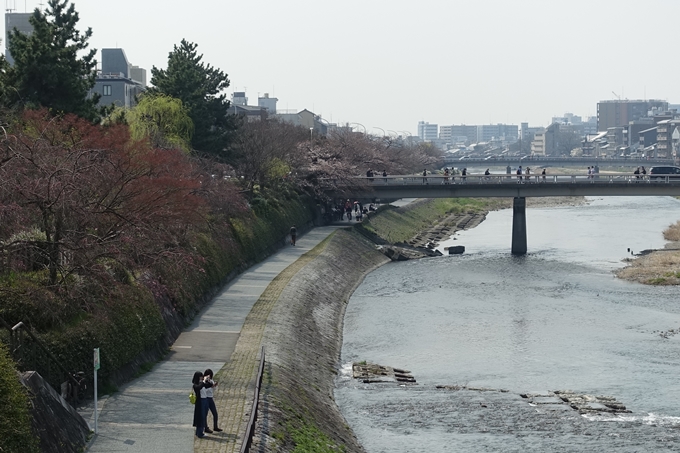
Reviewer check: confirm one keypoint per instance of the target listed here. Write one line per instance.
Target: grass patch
(144, 368)
(309, 439)
(396, 225)
(672, 233)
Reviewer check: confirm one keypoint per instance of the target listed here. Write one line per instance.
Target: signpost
(97, 365)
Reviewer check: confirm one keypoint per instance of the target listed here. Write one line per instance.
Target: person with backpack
(201, 404)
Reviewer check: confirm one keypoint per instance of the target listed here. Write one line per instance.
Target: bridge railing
(519, 179)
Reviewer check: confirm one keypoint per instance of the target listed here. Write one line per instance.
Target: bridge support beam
(519, 226)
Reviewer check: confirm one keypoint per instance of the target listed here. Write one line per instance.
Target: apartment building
(118, 82)
(621, 112)
(428, 132)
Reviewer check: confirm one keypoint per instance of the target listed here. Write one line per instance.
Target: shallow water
(556, 319)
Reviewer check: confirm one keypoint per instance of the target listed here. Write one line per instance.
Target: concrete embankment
(303, 339)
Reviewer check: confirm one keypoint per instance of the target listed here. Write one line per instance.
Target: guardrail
(519, 179)
(563, 160)
(250, 428)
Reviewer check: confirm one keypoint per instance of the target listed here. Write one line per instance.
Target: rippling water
(556, 319)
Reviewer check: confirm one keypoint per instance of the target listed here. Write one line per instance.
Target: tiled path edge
(233, 397)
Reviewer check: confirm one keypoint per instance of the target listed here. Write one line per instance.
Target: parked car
(662, 172)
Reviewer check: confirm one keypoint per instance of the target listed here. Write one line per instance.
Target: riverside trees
(80, 195)
(200, 88)
(48, 71)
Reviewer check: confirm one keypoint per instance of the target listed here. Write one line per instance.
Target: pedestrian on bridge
(424, 176)
(519, 175)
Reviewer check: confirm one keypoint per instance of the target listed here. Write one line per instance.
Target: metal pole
(96, 406)
(97, 365)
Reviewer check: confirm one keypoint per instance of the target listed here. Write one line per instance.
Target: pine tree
(200, 88)
(47, 71)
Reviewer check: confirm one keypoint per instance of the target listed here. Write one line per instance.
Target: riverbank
(303, 340)
(656, 267)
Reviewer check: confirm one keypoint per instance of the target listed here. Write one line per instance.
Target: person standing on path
(208, 377)
(293, 234)
(199, 386)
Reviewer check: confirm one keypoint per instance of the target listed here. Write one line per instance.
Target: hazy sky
(391, 63)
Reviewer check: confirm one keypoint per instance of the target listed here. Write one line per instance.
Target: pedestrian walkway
(153, 413)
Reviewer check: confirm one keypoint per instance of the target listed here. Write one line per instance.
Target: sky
(388, 64)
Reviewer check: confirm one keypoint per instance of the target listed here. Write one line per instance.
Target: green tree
(47, 70)
(162, 119)
(200, 88)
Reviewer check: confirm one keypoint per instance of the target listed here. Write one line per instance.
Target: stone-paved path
(153, 413)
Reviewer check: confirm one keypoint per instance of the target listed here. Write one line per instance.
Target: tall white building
(21, 23)
(428, 132)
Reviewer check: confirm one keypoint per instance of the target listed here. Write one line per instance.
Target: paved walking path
(153, 413)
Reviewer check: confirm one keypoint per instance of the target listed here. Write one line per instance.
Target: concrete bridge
(395, 187)
(578, 162)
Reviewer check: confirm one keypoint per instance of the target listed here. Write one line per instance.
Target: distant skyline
(389, 64)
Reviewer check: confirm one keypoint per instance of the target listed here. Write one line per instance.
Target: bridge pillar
(519, 226)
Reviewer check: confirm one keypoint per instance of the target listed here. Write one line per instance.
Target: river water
(556, 319)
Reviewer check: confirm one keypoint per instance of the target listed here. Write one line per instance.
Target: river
(554, 320)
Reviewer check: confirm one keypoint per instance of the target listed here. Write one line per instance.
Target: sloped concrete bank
(303, 340)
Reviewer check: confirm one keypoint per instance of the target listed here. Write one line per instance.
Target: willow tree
(163, 120)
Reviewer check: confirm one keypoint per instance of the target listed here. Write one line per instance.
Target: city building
(250, 112)
(428, 132)
(596, 145)
(577, 124)
(308, 120)
(447, 134)
(545, 142)
(239, 98)
(621, 112)
(507, 133)
(648, 138)
(615, 136)
(118, 82)
(664, 137)
(20, 21)
(268, 103)
(631, 134)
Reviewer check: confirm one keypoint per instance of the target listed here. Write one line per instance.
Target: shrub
(15, 419)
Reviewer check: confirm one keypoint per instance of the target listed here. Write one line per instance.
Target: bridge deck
(411, 186)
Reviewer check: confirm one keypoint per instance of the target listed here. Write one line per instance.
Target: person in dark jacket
(199, 416)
